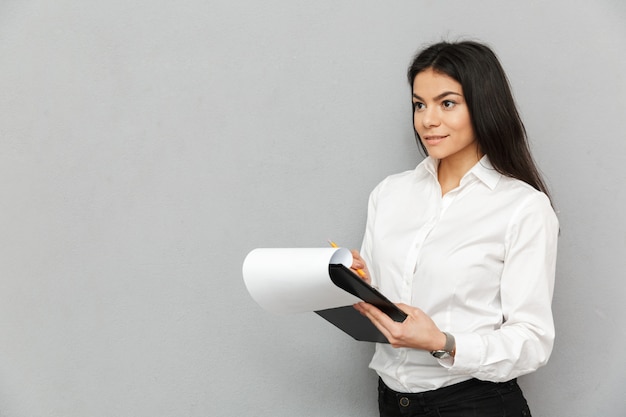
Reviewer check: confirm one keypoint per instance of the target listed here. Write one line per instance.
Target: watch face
(441, 354)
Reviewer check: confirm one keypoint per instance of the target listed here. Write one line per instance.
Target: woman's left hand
(417, 331)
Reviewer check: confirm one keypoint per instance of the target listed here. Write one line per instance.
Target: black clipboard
(347, 318)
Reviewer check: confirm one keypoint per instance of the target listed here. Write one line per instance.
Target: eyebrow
(440, 96)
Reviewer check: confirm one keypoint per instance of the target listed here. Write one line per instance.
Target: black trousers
(472, 398)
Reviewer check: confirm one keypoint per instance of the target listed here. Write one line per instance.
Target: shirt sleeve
(366, 246)
(524, 341)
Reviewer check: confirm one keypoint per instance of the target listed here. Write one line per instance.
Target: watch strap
(447, 349)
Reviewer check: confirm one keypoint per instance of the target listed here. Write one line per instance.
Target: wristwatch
(447, 350)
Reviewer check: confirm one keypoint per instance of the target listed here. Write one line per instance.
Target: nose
(429, 117)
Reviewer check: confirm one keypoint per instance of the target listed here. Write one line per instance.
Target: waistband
(462, 391)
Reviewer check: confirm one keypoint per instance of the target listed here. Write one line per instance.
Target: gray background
(148, 145)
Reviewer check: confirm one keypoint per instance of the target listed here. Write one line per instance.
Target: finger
(406, 309)
(377, 315)
(383, 322)
(357, 261)
(366, 310)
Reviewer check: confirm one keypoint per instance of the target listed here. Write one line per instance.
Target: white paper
(295, 280)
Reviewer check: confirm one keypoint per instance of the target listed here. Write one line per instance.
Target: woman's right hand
(360, 267)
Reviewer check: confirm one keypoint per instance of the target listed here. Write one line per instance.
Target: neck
(450, 172)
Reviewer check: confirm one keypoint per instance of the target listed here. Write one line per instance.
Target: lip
(433, 139)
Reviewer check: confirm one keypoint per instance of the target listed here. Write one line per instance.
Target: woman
(466, 243)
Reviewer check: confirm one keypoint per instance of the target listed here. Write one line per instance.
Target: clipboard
(347, 318)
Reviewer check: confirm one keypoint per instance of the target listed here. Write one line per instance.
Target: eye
(417, 106)
(448, 104)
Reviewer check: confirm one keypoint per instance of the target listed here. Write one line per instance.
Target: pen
(359, 271)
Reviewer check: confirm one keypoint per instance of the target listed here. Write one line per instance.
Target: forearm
(504, 354)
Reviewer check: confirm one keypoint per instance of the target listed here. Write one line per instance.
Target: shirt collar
(483, 170)
(430, 165)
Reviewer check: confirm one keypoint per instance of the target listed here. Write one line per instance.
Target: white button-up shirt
(480, 261)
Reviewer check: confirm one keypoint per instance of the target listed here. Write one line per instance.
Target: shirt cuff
(469, 352)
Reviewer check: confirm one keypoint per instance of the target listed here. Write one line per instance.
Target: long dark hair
(497, 125)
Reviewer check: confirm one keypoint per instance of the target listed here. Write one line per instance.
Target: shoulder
(527, 202)
(521, 191)
(404, 179)
(396, 186)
